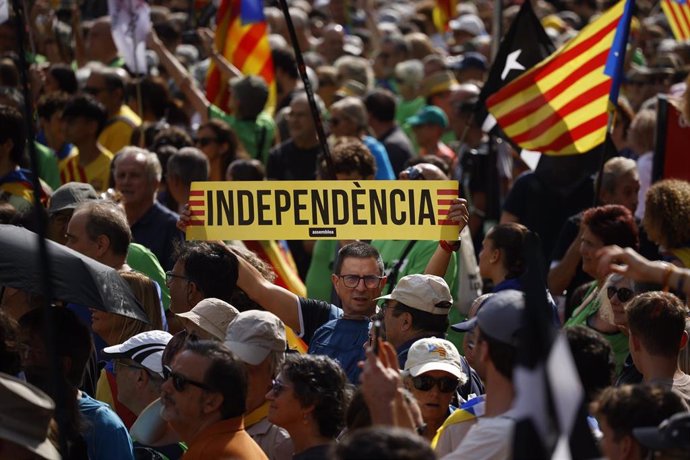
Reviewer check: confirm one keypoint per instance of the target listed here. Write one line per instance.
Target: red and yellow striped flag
(678, 15)
(242, 38)
(444, 11)
(560, 106)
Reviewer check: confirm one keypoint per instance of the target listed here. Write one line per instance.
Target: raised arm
(278, 300)
(224, 66)
(438, 263)
(180, 75)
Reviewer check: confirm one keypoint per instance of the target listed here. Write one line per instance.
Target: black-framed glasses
(169, 275)
(180, 382)
(414, 173)
(427, 382)
(277, 387)
(352, 281)
(624, 294)
(204, 141)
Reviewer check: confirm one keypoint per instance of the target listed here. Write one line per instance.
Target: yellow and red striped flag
(560, 106)
(242, 38)
(678, 15)
(444, 11)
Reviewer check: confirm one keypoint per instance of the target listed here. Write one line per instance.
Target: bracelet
(450, 247)
(667, 277)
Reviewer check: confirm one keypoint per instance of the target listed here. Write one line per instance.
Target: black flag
(549, 405)
(524, 45)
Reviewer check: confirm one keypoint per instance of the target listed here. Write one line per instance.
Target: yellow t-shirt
(118, 131)
(96, 173)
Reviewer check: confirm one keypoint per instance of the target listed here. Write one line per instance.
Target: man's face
(359, 300)
(55, 129)
(626, 191)
(179, 288)
(78, 239)
(95, 86)
(299, 120)
(79, 130)
(132, 181)
(392, 323)
(126, 375)
(185, 408)
(612, 448)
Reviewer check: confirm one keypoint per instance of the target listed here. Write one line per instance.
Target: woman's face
(485, 256)
(620, 294)
(589, 245)
(207, 142)
(285, 409)
(432, 401)
(108, 326)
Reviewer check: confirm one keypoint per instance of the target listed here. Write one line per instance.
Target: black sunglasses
(427, 382)
(624, 294)
(277, 387)
(180, 382)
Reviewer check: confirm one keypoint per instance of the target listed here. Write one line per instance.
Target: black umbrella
(76, 278)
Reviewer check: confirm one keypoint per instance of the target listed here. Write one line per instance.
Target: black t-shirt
(288, 162)
(316, 313)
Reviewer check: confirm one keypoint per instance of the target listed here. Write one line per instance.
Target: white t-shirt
(491, 438)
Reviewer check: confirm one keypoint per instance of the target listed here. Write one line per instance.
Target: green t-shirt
(618, 340)
(47, 165)
(141, 259)
(257, 136)
(405, 110)
(318, 279)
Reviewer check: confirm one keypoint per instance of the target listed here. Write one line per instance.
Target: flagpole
(58, 384)
(302, 68)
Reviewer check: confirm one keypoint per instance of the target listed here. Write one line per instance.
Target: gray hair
(355, 68)
(189, 164)
(353, 108)
(152, 165)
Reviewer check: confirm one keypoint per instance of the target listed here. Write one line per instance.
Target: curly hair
(321, 382)
(349, 155)
(667, 213)
(613, 224)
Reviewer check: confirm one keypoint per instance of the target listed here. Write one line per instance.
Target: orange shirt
(225, 439)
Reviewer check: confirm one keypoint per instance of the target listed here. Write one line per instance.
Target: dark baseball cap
(70, 195)
(499, 318)
(672, 433)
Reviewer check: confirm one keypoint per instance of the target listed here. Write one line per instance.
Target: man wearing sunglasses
(204, 399)
(496, 329)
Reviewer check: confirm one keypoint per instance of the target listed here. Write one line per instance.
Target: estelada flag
(444, 11)
(678, 15)
(242, 38)
(560, 107)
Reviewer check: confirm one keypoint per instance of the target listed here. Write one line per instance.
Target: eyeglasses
(204, 141)
(169, 275)
(427, 382)
(118, 364)
(278, 387)
(352, 281)
(624, 294)
(414, 173)
(180, 382)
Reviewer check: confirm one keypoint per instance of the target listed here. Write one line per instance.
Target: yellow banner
(342, 210)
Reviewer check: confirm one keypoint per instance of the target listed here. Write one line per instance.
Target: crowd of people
(330, 349)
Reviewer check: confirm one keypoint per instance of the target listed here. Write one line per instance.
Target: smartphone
(375, 334)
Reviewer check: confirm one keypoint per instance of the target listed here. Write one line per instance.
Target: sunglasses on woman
(427, 382)
(624, 294)
(180, 382)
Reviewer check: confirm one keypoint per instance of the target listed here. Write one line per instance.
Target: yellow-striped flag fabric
(560, 106)
(678, 15)
(242, 38)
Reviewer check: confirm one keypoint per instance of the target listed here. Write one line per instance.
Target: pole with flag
(549, 406)
(561, 106)
(242, 38)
